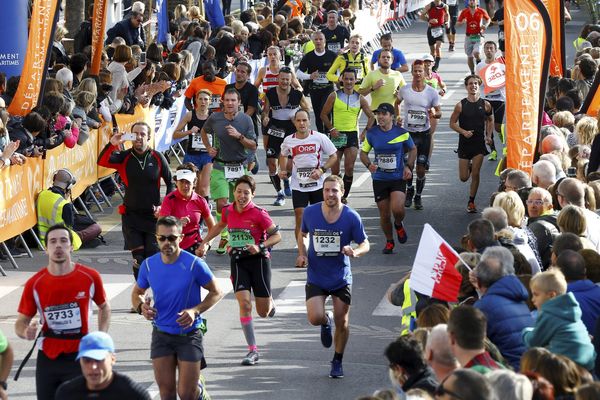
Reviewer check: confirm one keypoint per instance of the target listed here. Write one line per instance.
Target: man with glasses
(141, 168)
(542, 222)
(465, 384)
(176, 278)
(129, 30)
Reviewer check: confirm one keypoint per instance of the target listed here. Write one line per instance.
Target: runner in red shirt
(65, 314)
(477, 20)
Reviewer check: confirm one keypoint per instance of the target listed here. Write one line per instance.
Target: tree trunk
(74, 15)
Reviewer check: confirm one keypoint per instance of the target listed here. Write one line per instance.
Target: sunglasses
(170, 238)
(441, 390)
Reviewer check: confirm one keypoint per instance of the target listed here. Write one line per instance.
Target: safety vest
(409, 308)
(49, 212)
(577, 43)
(358, 63)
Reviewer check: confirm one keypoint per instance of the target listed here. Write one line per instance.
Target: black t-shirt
(311, 62)
(336, 39)
(249, 94)
(499, 16)
(122, 387)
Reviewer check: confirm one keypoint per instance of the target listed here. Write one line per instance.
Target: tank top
(436, 12)
(270, 80)
(195, 145)
(472, 118)
(346, 110)
(280, 115)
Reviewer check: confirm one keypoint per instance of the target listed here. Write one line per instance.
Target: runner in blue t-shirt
(330, 227)
(399, 63)
(390, 142)
(175, 277)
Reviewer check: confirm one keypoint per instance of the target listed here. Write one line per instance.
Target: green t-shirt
(387, 93)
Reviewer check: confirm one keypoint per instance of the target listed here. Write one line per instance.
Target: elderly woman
(572, 219)
(542, 222)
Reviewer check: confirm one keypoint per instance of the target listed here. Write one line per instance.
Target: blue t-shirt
(389, 151)
(175, 287)
(399, 59)
(328, 268)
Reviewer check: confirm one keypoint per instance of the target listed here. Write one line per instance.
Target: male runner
(473, 119)
(336, 35)
(382, 83)
(176, 278)
(62, 293)
(210, 81)
(497, 97)
(331, 226)
(387, 43)
(248, 92)
(498, 19)
(141, 168)
(477, 20)
(437, 15)
(344, 106)
(233, 135)
(422, 103)
(451, 27)
(354, 58)
(281, 104)
(390, 142)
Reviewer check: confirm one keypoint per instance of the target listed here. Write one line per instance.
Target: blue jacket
(507, 315)
(587, 295)
(559, 329)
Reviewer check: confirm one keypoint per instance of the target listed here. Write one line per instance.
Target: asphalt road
(293, 363)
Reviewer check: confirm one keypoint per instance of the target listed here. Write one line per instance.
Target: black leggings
(50, 374)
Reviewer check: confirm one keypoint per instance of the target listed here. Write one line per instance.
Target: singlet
(194, 143)
(346, 111)
(437, 12)
(281, 115)
(472, 118)
(358, 63)
(270, 80)
(417, 106)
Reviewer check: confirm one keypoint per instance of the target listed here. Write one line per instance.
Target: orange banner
(19, 186)
(556, 12)
(98, 29)
(41, 33)
(529, 39)
(591, 105)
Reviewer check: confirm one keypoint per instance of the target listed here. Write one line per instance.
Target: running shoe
(418, 203)
(222, 249)
(401, 233)
(471, 209)
(287, 190)
(389, 247)
(202, 387)
(451, 47)
(336, 369)
(255, 168)
(493, 156)
(326, 336)
(280, 201)
(251, 358)
(272, 312)
(410, 192)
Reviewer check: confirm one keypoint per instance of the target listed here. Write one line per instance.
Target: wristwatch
(3, 385)
(323, 169)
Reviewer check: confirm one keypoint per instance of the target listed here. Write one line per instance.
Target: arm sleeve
(285, 148)
(337, 65)
(166, 173)
(3, 342)
(253, 97)
(265, 221)
(250, 134)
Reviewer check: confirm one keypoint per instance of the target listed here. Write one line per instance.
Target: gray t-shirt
(229, 148)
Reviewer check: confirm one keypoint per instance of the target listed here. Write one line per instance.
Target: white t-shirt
(307, 154)
(415, 110)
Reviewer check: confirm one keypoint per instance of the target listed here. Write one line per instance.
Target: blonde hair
(194, 13)
(87, 85)
(513, 205)
(60, 32)
(563, 119)
(585, 130)
(551, 280)
(236, 26)
(356, 36)
(85, 100)
(180, 11)
(572, 219)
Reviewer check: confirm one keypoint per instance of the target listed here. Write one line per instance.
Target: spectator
(591, 391)
(517, 180)
(65, 76)
(561, 372)
(571, 191)
(543, 174)
(407, 366)
(465, 384)
(433, 315)
(25, 134)
(542, 221)
(509, 385)
(59, 53)
(84, 101)
(480, 235)
(585, 130)
(129, 30)
(571, 219)
(542, 388)
(78, 65)
(120, 77)
(438, 352)
(592, 264)
(467, 293)
(562, 242)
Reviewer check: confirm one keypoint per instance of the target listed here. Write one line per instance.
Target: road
(293, 363)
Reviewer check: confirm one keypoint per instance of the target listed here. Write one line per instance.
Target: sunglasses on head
(170, 238)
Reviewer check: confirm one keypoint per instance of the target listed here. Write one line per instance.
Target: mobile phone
(67, 126)
(572, 172)
(129, 136)
(143, 57)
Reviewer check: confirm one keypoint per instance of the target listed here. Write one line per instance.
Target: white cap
(427, 57)
(186, 174)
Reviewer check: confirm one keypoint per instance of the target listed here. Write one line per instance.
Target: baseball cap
(186, 174)
(96, 345)
(385, 107)
(427, 57)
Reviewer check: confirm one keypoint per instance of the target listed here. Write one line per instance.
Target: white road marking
(362, 179)
(386, 309)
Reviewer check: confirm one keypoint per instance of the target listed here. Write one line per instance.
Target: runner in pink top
(184, 203)
(251, 235)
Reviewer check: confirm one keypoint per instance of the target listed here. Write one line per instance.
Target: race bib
(215, 101)
(233, 171)
(327, 243)
(416, 118)
(63, 317)
(386, 162)
(437, 31)
(500, 35)
(322, 79)
(304, 179)
(335, 47)
(340, 141)
(451, 2)
(240, 238)
(359, 74)
(276, 132)
(197, 143)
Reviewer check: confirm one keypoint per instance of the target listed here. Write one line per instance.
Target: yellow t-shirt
(387, 93)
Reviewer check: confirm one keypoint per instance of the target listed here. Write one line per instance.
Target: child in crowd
(558, 326)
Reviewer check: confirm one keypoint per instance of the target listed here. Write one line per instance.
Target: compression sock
(276, 181)
(420, 185)
(471, 199)
(338, 356)
(347, 184)
(248, 329)
(436, 65)
(409, 182)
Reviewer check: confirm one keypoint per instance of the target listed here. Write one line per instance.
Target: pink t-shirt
(249, 225)
(196, 209)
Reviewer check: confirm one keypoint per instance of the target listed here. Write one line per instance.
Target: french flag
(433, 272)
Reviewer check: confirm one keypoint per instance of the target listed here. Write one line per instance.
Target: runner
(437, 15)
(336, 35)
(209, 81)
(308, 150)
(477, 20)
(7, 356)
(498, 19)
(496, 97)
(253, 234)
(331, 226)
(390, 142)
(141, 168)
(176, 278)
(422, 103)
(451, 27)
(344, 106)
(434, 80)
(281, 104)
(268, 76)
(196, 151)
(387, 43)
(313, 67)
(233, 135)
(473, 119)
(65, 314)
(353, 58)
(382, 83)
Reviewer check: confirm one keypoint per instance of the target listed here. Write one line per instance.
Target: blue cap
(96, 345)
